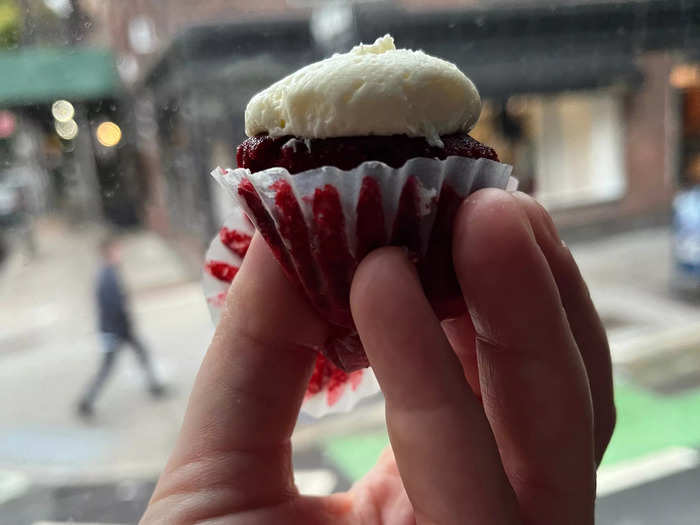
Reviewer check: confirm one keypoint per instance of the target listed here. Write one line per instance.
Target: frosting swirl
(372, 90)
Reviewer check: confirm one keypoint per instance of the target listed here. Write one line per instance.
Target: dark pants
(112, 345)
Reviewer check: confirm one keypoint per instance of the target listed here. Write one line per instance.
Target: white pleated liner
(215, 289)
(215, 293)
(317, 405)
(464, 175)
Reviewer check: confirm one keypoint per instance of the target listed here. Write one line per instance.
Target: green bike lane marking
(355, 455)
(646, 423)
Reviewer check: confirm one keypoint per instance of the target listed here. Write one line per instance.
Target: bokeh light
(8, 124)
(66, 130)
(108, 134)
(62, 110)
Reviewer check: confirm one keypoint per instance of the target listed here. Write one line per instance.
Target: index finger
(247, 394)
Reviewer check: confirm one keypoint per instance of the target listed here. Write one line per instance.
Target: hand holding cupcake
(358, 151)
(498, 416)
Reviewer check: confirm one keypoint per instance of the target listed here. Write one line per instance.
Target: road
(52, 463)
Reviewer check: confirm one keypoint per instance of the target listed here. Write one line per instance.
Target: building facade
(578, 97)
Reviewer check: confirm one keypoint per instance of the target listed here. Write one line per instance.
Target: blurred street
(49, 349)
(113, 114)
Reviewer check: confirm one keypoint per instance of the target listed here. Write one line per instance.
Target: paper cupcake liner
(330, 390)
(322, 222)
(223, 259)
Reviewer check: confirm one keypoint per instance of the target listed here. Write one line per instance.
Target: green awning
(42, 75)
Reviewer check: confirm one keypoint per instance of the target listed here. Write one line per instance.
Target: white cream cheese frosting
(372, 90)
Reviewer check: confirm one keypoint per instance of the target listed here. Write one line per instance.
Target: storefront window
(579, 148)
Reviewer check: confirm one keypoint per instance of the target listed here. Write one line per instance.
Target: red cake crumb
(335, 261)
(324, 373)
(297, 155)
(327, 376)
(292, 227)
(235, 241)
(370, 213)
(221, 270)
(266, 226)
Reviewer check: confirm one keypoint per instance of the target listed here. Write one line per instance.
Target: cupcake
(361, 150)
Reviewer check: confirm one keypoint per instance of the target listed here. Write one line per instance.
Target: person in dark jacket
(115, 328)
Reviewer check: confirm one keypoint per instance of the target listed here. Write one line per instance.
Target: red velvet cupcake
(358, 151)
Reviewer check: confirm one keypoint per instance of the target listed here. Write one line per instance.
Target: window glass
(114, 113)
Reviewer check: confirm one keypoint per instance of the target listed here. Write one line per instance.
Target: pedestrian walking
(115, 328)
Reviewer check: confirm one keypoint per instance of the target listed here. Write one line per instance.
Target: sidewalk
(54, 290)
(49, 349)
(629, 276)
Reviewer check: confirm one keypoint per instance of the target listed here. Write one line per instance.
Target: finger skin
(583, 319)
(460, 333)
(380, 496)
(533, 382)
(247, 395)
(444, 448)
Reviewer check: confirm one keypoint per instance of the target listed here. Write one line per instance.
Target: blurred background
(113, 113)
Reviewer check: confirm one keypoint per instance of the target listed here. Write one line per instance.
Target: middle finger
(444, 447)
